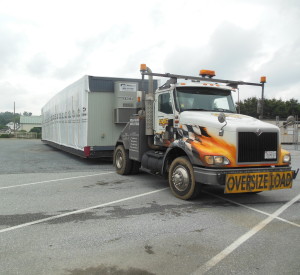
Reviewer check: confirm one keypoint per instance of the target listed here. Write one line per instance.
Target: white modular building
(87, 117)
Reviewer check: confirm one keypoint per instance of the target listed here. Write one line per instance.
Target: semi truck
(190, 133)
(86, 117)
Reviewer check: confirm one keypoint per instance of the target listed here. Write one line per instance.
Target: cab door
(164, 118)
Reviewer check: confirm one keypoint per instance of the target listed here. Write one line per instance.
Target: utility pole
(263, 80)
(14, 117)
(239, 103)
(262, 100)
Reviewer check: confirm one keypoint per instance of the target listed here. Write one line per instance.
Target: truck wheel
(135, 167)
(182, 179)
(121, 160)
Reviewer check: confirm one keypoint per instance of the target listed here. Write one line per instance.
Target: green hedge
(6, 136)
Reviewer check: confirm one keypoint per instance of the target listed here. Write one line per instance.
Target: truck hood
(234, 121)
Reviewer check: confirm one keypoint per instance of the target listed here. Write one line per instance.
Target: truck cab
(198, 138)
(196, 98)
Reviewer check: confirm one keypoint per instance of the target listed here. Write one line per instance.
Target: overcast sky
(47, 45)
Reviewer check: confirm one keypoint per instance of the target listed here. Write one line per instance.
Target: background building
(28, 122)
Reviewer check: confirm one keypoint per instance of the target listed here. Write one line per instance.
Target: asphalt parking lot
(60, 214)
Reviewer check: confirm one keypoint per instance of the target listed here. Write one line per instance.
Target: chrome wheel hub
(119, 160)
(180, 178)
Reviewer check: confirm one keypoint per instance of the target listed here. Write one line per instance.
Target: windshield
(203, 99)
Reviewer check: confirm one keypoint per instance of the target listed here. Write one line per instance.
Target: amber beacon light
(208, 73)
(263, 79)
(143, 67)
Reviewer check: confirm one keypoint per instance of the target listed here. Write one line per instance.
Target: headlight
(216, 160)
(287, 158)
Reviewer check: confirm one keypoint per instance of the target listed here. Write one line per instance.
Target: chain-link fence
(290, 133)
(26, 135)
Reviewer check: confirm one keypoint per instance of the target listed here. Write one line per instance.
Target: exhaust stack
(149, 101)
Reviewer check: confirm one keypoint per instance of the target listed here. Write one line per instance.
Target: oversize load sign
(255, 182)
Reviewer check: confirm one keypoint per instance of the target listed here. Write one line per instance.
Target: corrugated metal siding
(101, 129)
(106, 84)
(30, 119)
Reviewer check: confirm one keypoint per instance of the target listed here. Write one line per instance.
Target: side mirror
(221, 117)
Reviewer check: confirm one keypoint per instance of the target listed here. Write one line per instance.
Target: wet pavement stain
(114, 240)
(102, 183)
(148, 249)
(116, 212)
(113, 212)
(172, 210)
(13, 220)
(112, 182)
(109, 270)
(199, 230)
(76, 218)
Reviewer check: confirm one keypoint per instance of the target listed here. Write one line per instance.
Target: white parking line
(47, 181)
(251, 208)
(80, 211)
(228, 250)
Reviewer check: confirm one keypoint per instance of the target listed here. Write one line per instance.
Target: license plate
(270, 154)
(256, 182)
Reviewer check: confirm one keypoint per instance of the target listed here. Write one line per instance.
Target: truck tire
(135, 169)
(182, 179)
(121, 160)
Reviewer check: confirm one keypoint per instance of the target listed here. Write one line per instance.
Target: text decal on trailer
(256, 182)
(128, 87)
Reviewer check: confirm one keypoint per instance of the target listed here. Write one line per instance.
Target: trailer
(87, 117)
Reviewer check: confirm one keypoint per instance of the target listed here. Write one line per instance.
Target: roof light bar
(210, 74)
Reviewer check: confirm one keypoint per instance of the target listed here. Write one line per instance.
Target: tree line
(7, 117)
(271, 108)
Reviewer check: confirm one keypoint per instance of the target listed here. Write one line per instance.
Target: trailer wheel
(182, 179)
(122, 162)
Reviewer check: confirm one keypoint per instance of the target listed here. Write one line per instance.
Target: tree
(272, 107)
(7, 117)
(27, 113)
(249, 106)
(36, 130)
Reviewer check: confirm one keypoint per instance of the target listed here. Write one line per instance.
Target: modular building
(87, 117)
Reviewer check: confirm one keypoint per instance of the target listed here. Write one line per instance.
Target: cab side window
(164, 104)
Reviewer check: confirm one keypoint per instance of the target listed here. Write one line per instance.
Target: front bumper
(218, 176)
